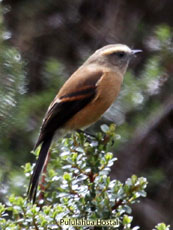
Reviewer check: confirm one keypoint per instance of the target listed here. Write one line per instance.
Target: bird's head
(115, 56)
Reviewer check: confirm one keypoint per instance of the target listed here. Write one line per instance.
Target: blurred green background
(43, 42)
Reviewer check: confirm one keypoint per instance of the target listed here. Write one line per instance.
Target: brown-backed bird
(83, 98)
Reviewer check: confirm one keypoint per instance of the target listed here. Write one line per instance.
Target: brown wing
(68, 102)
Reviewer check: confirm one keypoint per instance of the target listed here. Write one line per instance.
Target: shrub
(77, 188)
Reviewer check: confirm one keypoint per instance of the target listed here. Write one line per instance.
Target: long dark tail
(33, 184)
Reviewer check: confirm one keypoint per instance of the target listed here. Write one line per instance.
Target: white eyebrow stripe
(116, 49)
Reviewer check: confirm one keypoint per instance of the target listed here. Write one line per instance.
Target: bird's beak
(134, 52)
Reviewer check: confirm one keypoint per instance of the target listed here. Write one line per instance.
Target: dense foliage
(77, 185)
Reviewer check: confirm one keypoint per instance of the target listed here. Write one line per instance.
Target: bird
(82, 100)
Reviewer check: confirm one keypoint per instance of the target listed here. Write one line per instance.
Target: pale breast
(108, 88)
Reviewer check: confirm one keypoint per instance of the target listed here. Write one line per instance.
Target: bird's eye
(120, 54)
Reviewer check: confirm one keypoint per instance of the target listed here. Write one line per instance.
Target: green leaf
(162, 226)
(67, 177)
(127, 219)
